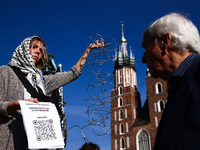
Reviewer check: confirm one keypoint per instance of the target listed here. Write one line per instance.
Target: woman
(29, 57)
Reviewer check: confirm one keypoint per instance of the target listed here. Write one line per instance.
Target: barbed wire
(99, 66)
(81, 128)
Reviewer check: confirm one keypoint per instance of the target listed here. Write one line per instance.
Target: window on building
(128, 75)
(120, 90)
(143, 142)
(161, 105)
(159, 88)
(122, 144)
(121, 114)
(120, 102)
(121, 128)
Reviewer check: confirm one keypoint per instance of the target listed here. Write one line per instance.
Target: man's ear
(165, 43)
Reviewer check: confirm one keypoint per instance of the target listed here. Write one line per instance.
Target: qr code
(44, 130)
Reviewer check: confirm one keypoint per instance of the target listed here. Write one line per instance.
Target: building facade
(134, 127)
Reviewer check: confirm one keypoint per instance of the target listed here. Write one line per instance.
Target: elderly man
(172, 45)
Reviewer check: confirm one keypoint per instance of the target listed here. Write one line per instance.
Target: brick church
(134, 127)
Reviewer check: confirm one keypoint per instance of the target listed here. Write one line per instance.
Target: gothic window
(159, 88)
(161, 105)
(143, 141)
(128, 75)
(120, 76)
(122, 144)
(120, 102)
(120, 90)
(121, 128)
(121, 114)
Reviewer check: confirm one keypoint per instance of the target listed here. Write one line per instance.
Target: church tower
(125, 101)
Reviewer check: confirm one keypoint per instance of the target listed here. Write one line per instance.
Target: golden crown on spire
(123, 39)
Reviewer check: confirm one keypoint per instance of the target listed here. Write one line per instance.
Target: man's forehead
(147, 40)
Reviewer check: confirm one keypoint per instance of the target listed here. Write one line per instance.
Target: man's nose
(144, 58)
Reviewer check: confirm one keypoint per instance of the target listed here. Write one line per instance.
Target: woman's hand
(14, 106)
(96, 44)
(81, 62)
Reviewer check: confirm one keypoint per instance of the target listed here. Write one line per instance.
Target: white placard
(42, 125)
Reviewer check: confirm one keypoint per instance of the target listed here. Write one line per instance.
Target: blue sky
(66, 27)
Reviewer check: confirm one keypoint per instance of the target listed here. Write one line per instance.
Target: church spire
(122, 59)
(123, 43)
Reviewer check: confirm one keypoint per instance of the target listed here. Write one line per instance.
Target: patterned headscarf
(23, 60)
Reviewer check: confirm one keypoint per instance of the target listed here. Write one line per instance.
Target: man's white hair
(185, 35)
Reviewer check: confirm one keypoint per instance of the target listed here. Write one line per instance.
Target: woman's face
(36, 51)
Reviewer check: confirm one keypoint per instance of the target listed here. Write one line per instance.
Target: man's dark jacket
(179, 128)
